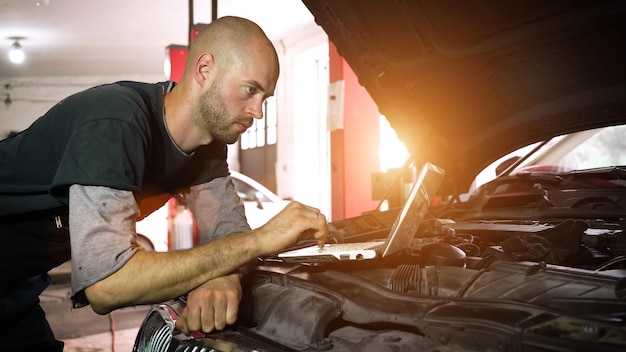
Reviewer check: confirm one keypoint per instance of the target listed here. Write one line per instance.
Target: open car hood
(465, 82)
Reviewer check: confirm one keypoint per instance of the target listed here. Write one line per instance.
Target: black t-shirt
(112, 135)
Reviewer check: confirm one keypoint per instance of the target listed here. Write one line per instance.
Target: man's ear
(203, 68)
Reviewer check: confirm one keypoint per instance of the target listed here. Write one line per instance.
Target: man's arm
(217, 208)
(218, 211)
(152, 277)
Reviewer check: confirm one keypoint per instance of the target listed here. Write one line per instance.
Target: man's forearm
(152, 277)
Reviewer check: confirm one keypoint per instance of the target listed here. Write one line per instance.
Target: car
(531, 257)
(260, 205)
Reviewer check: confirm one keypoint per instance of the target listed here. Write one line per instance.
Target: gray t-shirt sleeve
(102, 234)
(217, 208)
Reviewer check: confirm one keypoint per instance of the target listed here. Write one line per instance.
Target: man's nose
(256, 109)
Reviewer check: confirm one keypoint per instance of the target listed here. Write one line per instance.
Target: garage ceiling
(119, 37)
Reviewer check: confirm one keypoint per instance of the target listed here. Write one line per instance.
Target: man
(83, 173)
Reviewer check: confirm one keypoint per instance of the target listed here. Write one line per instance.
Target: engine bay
(470, 286)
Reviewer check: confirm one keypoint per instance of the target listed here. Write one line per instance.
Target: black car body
(534, 260)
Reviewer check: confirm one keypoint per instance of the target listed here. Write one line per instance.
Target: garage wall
(302, 152)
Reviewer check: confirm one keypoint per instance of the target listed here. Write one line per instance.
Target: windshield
(591, 149)
(584, 150)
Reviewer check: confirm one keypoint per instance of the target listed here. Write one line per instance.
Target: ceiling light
(16, 54)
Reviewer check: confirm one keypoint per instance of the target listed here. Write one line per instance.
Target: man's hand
(211, 306)
(289, 225)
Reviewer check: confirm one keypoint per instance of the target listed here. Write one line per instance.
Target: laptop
(400, 235)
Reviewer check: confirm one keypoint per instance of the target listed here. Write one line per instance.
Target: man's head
(235, 68)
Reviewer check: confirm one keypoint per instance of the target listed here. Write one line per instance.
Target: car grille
(196, 349)
(154, 336)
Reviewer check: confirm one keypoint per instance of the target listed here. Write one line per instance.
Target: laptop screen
(414, 209)
(400, 234)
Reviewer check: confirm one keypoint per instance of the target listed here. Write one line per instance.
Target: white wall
(302, 150)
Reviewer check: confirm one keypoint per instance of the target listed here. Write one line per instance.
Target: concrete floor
(123, 341)
(81, 329)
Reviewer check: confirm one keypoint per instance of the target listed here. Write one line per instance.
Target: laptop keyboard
(354, 246)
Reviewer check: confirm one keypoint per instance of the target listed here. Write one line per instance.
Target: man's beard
(213, 117)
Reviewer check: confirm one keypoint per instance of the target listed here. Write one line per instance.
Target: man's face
(233, 100)
(214, 117)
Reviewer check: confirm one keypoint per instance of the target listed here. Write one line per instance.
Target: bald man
(86, 171)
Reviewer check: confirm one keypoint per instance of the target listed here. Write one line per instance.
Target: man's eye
(250, 90)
